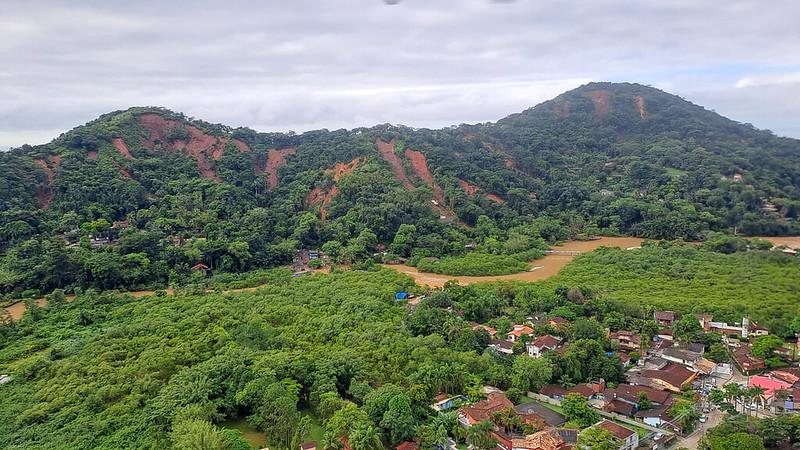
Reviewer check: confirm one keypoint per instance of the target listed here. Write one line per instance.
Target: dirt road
(542, 268)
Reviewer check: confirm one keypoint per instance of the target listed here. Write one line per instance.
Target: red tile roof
(544, 440)
(673, 374)
(617, 430)
(631, 393)
(546, 341)
(619, 407)
(484, 409)
(520, 330)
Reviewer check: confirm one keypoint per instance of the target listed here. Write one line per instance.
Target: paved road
(714, 418)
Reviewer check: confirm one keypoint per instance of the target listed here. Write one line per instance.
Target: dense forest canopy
(138, 197)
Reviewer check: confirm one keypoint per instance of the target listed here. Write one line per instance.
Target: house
(629, 438)
(655, 416)
(201, 268)
(664, 318)
(549, 439)
(789, 375)
(627, 340)
(681, 356)
(502, 347)
(542, 413)
(769, 384)
(553, 391)
(558, 322)
(518, 331)
(537, 347)
(665, 334)
(444, 402)
(476, 326)
(483, 410)
(671, 378)
(743, 357)
(310, 445)
(621, 407)
(630, 393)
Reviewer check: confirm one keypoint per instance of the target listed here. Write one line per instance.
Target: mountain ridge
(618, 159)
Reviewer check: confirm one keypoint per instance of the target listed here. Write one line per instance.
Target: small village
(674, 391)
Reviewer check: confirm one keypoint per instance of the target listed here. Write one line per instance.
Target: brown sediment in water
(541, 269)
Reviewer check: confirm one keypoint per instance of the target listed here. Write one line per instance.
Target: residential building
(502, 347)
(483, 410)
(537, 347)
(558, 322)
(664, 318)
(627, 340)
(743, 357)
(655, 417)
(671, 378)
(629, 438)
(518, 331)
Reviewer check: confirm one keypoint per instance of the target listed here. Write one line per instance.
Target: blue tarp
(401, 296)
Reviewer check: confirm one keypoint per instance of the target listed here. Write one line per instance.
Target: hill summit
(611, 158)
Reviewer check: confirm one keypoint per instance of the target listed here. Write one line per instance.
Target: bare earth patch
(276, 158)
(639, 102)
(386, 150)
(602, 101)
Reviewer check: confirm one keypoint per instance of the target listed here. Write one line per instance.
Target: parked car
(703, 419)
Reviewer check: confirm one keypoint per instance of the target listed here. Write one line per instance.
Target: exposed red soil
(122, 148)
(276, 158)
(495, 198)
(639, 102)
(386, 150)
(420, 165)
(468, 188)
(602, 101)
(92, 154)
(508, 160)
(45, 194)
(469, 136)
(323, 198)
(561, 109)
(201, 146)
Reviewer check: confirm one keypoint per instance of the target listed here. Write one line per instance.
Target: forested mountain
(167, 192)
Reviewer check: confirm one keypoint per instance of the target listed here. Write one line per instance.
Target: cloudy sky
(303, 64)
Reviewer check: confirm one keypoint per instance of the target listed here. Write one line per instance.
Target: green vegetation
(145, 371)
(683, 278)
(85, 212)
(476, 264)
(751, 433)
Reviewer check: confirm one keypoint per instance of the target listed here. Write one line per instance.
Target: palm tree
(365, 436)
(757, 394)
(480, 437)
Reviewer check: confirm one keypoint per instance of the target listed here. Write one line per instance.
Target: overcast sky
(303, 64)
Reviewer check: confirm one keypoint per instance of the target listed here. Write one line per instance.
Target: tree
(195, 434)
(398, 420)
(684, 414)
(644, 402)
(764, 346)
(688, 328)
(576, 409)
(530, 374)
(479, 436)
(735, 441)
(717, 353)
(432, 436)
(596, 438)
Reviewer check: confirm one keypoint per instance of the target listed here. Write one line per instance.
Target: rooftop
(617, 430)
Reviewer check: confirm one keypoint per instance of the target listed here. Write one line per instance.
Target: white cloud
(307, 64)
